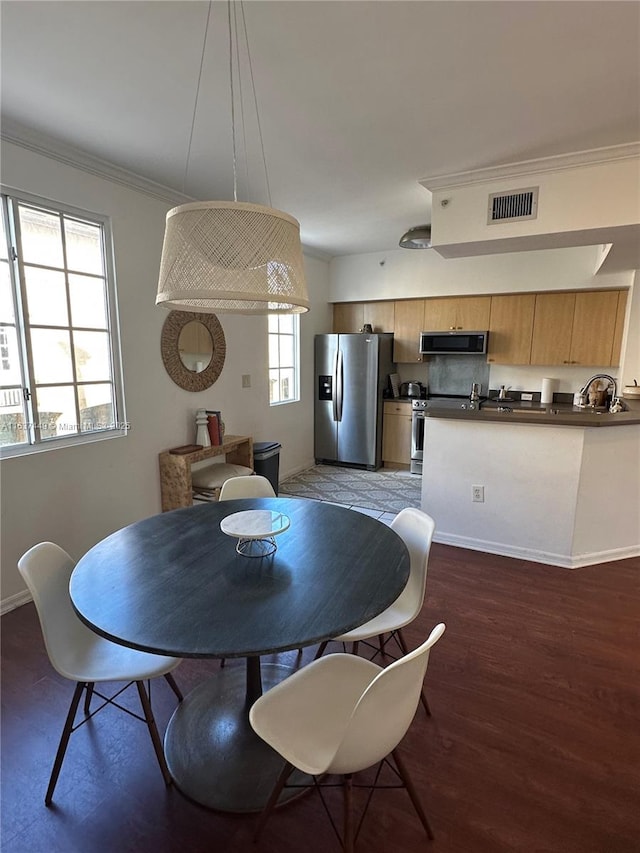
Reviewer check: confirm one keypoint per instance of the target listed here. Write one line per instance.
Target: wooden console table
(175, 469)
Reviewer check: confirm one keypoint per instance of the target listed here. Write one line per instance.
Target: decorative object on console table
(214, 413)
(213, 425)
(202, 432)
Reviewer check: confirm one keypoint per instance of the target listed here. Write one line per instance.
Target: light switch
(246, 380)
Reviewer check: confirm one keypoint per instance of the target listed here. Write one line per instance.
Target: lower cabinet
(396, 433)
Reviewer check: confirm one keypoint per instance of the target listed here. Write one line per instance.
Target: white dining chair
(82, 656)
(254, 486)
(416, 529)
(339, 715)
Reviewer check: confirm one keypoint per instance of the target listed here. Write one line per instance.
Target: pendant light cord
(195, 105)
(233, 113)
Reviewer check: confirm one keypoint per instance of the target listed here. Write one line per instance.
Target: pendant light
(229, 256)
(418, 237)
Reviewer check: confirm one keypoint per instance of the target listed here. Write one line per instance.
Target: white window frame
(280, 366)
(34, 442)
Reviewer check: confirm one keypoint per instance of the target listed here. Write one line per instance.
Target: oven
(418, 414)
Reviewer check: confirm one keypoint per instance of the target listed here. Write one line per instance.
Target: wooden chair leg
(87, 697)
(354, 647)
(222, 663)
(153, 731)
(405, 651)
(323, 645)
(172, 684)
(348, 840)
(64, 740)
(381, 645)
(273, 799)
(406, 779)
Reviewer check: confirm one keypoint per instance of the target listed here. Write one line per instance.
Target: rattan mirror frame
(181, 375)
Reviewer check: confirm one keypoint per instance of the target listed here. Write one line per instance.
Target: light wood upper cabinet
(348, 317)
(594, 326)
(617, 335)
(460, 312)
(511, 328)
(552, 327)
(380, 315)
(409, 322)
(396, 433)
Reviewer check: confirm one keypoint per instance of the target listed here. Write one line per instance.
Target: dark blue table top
(174, 584)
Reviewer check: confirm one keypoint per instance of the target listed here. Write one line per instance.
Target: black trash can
(266, 461)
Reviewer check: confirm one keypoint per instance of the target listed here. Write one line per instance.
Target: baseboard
(561, 560)
(285, 475)
(14, 601)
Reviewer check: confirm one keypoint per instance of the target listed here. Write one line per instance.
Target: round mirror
(193, 349)
(195, 346)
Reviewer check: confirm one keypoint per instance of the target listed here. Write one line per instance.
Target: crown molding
(527, 168)
(40, 143)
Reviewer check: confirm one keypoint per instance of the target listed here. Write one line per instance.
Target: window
(59, 368)
(284, 335)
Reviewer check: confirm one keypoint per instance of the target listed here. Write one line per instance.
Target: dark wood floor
(534, 744)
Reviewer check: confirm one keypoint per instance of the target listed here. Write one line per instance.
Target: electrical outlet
(525, 396)
(477, 494)
(246, 380)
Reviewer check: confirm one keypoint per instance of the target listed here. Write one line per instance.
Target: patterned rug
(387, 491)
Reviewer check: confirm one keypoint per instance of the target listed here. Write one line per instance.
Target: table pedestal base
(213, 754)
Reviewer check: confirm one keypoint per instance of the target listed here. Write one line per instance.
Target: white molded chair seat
(342, 714)
(81, 655)
(416, 529)
(246, 487)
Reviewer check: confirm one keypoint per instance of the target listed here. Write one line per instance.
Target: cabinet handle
(451, 328)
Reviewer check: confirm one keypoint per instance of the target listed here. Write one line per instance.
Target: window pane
(51, 349)
(56, 411)
(286, 323)
(46, 297)
(274, 388)
(287, 387)
(84, 246)
(6, 294)
(12, 417)
(10, 373)
(273, 322)
(96, 407)
(88, 303)
(41, 237)
(274, 351)
(4, 247)
(286, 351)
(93, 361)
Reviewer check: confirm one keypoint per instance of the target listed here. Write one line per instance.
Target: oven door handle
(415, 430)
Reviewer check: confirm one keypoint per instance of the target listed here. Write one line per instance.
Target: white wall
(567, 496)
(77, 495)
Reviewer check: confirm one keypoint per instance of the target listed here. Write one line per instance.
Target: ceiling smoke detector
(418, 237)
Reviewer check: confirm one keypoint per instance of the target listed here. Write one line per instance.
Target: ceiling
(358, 101)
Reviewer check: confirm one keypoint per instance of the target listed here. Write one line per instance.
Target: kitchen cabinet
(379, 315)
(594, 327)
(583, 327)
(396, 433)
(511, 328)
(409, 322)
(348, 317)
(460, 312)
(552, 328)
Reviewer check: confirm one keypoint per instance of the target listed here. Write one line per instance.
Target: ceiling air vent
(513, 206)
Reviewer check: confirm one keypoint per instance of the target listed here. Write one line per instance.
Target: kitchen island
(558, 487)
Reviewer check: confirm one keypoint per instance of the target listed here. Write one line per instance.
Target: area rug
(386, 491)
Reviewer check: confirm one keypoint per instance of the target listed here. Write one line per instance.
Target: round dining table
(174, 584)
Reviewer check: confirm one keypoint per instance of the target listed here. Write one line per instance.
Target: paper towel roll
(548, 387)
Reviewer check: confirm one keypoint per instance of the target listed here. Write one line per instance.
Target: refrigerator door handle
(339, 385)
(334, 395)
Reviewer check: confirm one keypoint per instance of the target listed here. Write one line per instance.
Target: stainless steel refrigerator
(351, 374)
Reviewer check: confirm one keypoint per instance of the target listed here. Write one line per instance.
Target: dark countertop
(557, 414)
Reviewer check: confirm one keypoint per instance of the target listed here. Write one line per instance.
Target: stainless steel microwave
(453, 343)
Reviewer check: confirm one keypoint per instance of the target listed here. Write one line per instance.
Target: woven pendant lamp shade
(232, 257)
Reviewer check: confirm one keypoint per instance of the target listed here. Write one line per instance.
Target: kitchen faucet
(585, 388)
